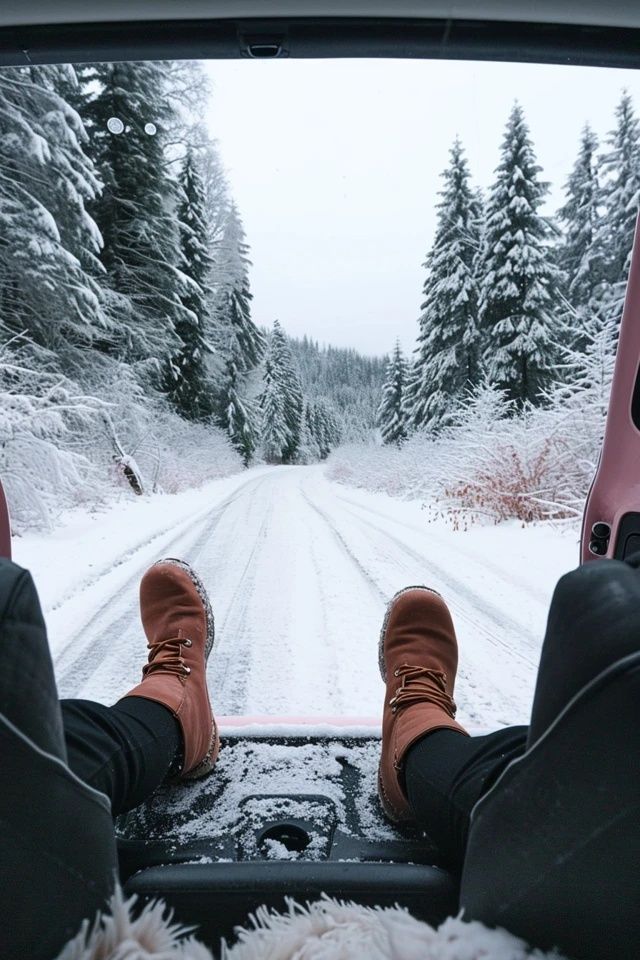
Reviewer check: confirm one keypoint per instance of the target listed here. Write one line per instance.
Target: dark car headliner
(615, 13)
(557, 31)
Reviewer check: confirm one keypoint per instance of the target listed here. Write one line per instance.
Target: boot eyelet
(187, 643)
(396, 673)
(186, 670)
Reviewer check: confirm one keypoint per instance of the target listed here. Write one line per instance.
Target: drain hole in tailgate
(292, 837)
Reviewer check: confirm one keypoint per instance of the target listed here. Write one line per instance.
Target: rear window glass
(323, 329)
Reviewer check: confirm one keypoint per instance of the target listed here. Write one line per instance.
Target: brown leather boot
(418, 657)
(178, 621)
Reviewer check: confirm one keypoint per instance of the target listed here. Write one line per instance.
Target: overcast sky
(335, 167)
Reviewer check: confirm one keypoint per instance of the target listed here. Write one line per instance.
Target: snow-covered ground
(299, 570)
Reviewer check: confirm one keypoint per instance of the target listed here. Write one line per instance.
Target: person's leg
(446, 773)
(431, 771)
(52, 758)
(418, 659)
(594, 621)
(125, 751)
(57, 848)
(165, 723)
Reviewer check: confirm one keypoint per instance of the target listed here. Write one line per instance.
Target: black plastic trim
(635, 402)
(219, 896)
(628, 536)
(322, 37)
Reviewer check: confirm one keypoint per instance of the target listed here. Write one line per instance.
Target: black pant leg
(446, 773)
(125, 751)
(594, 621)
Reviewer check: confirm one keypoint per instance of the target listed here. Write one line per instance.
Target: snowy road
(299, 570)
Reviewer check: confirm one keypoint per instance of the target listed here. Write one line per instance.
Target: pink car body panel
(5, 527)
(616, 487)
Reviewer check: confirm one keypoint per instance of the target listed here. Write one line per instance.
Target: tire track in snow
(479, 693)
(235, 648)
(481, 559)
(460, 589)
(300, 576)
(332, 676)
(78, 662)
(175, 530)
(540, 596)
(365, 574)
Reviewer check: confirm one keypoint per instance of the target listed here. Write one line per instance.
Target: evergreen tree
(47, 237)
(321, 427)
(187, 381)
(240, 417)
(291, 388)
(579, 253)
(391, 412)
(621, 168)
(239, 342)
(309, 450)
(275, 434)
(237, 331)
(136, 210)
(282, 403)
(447, 355)
(519, 278)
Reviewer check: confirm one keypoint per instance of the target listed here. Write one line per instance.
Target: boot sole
(204, 596)
(401, 819)
(207, 764)
(383, 630)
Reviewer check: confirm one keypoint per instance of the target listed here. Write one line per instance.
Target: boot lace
(421, 685)
(166, 657)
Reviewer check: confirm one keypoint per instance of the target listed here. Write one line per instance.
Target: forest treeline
(515, 298)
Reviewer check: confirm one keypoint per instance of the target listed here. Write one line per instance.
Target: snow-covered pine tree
(580, 255)
(187, 382)
(239, 343)
(275, 435)
(584, 392)
(621, 170)
(392, 418)
(236, 330)
(309, 450)
(518, 275)
(240, 415)
(48, 237)
(291, 388)
(447, 360)
(136, 210)
(322, 422)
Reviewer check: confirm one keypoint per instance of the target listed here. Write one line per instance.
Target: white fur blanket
(325, 930)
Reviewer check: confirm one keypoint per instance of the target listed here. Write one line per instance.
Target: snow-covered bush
(402, 472)
(62, 446)
(178, 456)
(40, 413)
